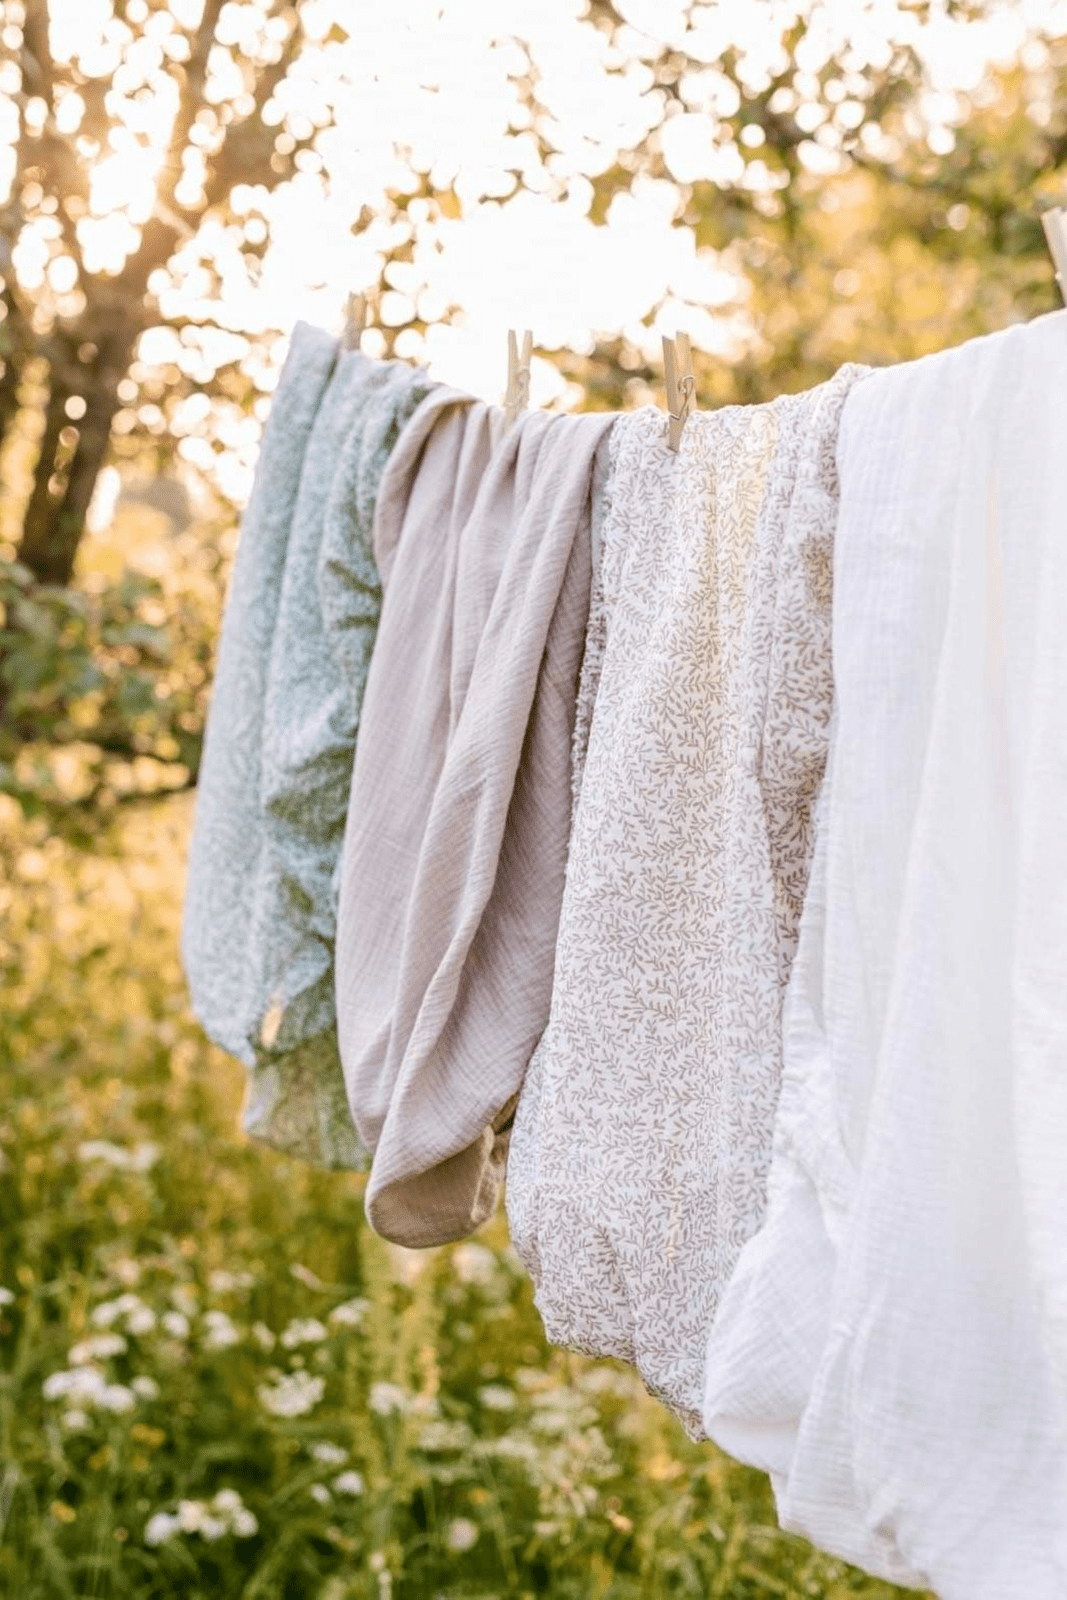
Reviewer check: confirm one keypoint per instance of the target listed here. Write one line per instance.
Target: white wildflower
(127, 1271)
(331, 1455)
(385, 1398)
(75, 1420)
(80, 1384)
(190, 1515)
(509, 1447)
(349, 1483)
(473, 1263)
(496, 1397)
(461, 1534)
(221, 1331)
(292, 1395)
(176, 1324)
(113, 1155)
(98, 1346)
(116, 1397)
(6, 1296)
(303, 1330)
(161, 1528)
(244, 1524)
(183, 1297)
(223, 1282)
(319, 1492)
(109, 1311)
(145, 1388)
(141, 1320)
(437, 1436)
(351, 1314)
(226, 1513)
(263, 1336)
(142, 1158)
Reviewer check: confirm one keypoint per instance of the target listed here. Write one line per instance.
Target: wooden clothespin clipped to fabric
(517, 397)
(681, 386)
(1054, 223)
(355, 321)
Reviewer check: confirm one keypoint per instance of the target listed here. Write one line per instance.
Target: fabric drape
(642, 1137)
(459, 811)
(227, 830)
(892, 1347)
(297, 638)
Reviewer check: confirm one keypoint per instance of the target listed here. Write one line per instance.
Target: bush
(217, 1382)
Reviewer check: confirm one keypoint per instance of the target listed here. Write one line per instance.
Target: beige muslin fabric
(642, 1138)
(459, 814)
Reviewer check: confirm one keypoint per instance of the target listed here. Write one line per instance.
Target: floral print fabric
(299, 630)
(639, 1155)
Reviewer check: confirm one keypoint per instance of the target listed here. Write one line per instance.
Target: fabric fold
(296, 733)
(227, 827)
(643, 1132)
(891, 1346)
(459, 813)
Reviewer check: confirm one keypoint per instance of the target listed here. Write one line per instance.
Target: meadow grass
(216, 1382)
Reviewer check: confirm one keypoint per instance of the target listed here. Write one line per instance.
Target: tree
(76, 340)
(851, 215)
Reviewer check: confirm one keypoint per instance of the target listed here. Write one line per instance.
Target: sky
(431, 84)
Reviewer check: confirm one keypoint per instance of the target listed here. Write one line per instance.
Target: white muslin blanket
(893, 1346)
(638, 1158)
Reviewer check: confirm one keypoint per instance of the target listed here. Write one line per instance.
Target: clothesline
(671, 829)
(678, 375)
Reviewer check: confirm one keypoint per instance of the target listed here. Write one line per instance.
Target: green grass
(377, 1423)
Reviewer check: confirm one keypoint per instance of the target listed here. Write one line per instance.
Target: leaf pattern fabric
(639, 1155)
(261, 902)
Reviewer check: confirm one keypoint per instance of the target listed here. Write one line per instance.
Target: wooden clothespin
(355, 321)
(517, 397)
(1054, 223)
(681, 386)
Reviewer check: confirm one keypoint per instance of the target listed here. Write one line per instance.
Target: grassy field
(215, 1382)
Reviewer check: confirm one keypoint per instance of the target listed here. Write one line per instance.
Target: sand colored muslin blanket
(299, 627)
(642, 1138)
(893, 1347)
(459, 814)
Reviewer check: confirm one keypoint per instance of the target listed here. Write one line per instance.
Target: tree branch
(243, 140)
(161, 233)
(192, 80)
(36, 53)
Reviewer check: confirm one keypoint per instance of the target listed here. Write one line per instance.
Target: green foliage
(854, 223)
(215, 1382)
(102, 685)
(175, 1297)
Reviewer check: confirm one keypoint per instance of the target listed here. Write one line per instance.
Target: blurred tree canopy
(856, 214)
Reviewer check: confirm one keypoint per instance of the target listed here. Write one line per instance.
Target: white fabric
(638, 1158)
(893, 1345)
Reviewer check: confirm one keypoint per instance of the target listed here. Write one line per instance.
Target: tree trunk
(13, 334)
(55, 521)
(37, 549)
(89, 457)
